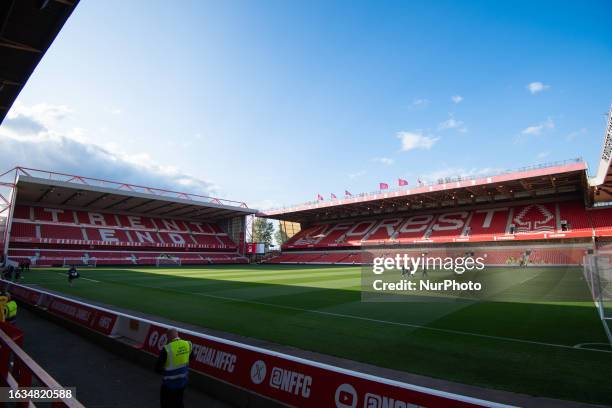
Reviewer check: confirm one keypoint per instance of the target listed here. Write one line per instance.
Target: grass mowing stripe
(525, 347)
(414, 326)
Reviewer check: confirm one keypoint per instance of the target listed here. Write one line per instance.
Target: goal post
(167, 261)
(82, 262)
(598, 274)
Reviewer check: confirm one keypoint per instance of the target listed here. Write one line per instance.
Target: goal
(82, 262)
(598, 274)
(167, 261)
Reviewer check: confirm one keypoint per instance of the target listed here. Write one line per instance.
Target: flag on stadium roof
(347, 193)
(383, 186)
(319, 197)
(402, 182)
(333, 196)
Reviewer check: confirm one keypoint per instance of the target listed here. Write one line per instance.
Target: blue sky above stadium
(273, 102)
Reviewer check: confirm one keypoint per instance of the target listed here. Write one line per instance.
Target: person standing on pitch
(173, 364)
(72, 274)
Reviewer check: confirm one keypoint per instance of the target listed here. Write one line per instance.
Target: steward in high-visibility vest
(173, 364)
(4, 299)
(10, 311)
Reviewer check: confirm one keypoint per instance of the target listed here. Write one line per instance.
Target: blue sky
(272, 102)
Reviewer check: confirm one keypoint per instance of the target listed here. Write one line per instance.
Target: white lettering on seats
(489, 215)
(416, 223)
(135, 221)
(388, 224)
(54, 212)
(176, 238)
(96, 219)
(361, 228)
(108, 235)
(171, 224)
(454, 221)
(143, 236)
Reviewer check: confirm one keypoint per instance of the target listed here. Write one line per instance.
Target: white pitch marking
(346, 316)
(87, 279)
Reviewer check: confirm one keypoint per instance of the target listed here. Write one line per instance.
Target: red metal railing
(18, 370)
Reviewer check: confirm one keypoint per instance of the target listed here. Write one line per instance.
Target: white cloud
(457, 98)
(536, 87)
(454, 172)
(419, 103)
(357, 174)
(538, 129)
(576, 134)
(416, 140)
(543, 155)
(452, 123)
(29, 136)
(265, 204)
(114, 110)
(387, 161)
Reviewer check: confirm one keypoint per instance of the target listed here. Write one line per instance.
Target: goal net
(598, 274)
(167, 261)
(83, 262)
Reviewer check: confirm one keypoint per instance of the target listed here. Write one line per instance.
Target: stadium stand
(543, 255)
(546, 214)
(61, 219)
(531, 221)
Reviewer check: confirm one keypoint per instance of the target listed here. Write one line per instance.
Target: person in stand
(173, 364)
(72, 274)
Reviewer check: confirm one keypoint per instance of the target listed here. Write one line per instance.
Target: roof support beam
(214, 213)
(139, 205)
(174, 209)
(72, 196)
(103, 196)
(161, 206)
(65, 2)
(125, 200)
(9, 9)
(6, 43)
(45, 194)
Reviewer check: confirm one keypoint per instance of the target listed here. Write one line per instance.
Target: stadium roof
(27, 29)
(535, 181)
(58, 189)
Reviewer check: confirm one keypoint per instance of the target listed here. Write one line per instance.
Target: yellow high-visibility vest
(10, 310)
(177, 359)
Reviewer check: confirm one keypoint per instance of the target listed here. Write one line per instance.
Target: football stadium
(521, 317)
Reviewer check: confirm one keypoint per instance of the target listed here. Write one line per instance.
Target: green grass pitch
(520, 347)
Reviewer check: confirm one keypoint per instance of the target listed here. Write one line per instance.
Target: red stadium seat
(79, 234)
